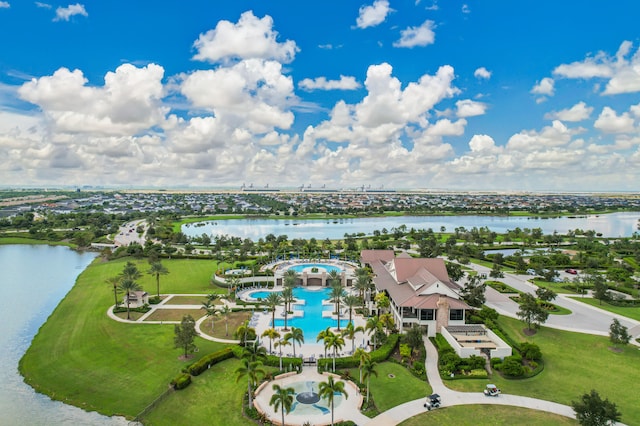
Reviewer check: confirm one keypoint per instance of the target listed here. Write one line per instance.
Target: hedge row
(182, 381)
(207, 361)
(379, 355)
(271, 360)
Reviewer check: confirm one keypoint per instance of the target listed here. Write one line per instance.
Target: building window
(456, 314)
(426, 314)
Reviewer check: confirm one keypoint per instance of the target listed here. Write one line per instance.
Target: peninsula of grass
(394, 385)
(189, 300)
(174, 314)
(632, 312)
(84, 358)
(495, 415)
(574, 363)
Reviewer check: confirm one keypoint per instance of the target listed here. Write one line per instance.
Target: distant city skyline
(449, 95)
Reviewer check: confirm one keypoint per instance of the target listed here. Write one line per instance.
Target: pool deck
(349, 408)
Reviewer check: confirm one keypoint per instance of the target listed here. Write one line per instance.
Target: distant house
(136, 299)
(419, 290)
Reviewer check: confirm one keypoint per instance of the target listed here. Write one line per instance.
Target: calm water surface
(33, 280)
(610, 225)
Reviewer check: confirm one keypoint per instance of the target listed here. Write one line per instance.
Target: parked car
(531, 271)
(571, 271)
(433, 401)
(491, 390)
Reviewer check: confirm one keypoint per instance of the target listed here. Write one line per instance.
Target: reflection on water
(33, 280)
(609, 225)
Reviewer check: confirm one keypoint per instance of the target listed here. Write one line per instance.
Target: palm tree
(130, 271)
(323, 335)
(336, 295)
(210, 310)
(253, 371)
(329, 389)
(287, 298)
(114, 281)
(157, 269)
(373, 326)
(296, 335)
(282, 397)
(290, 278)
(272, 301)
(336, 342)
(362, 284)
(387, 322)
(225, 311)
(232, 284)
(244, 331)
(272, 334)
(351, 302)
(128, 285)
(361, 355)
(334, 278)
(369, 369)
(350, 333)
(280, 343)
(254, 352)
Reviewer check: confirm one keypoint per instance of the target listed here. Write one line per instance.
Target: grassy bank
(82, 357)
(632, 312)
(574, 363)
(495, 415)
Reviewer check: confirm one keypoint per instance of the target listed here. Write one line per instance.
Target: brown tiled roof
(368, 255)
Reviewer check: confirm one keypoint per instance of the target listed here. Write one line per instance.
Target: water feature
(33, 280)
(301, 267)
(622, 224)
(307, 401)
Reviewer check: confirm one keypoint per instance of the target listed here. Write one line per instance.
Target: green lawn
(629, 312)
(213, 398)
(391, 391)
(495, 415)
(84, 358)
(557, 287)
(575, 363)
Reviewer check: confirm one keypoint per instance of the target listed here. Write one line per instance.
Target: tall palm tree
(210, 311)
(334, 278)
(272, 334)
(128, 285)
(329, 389)
(225, 311)
(296, 335)
(157, 269)
(350, 333)
(369, 369)
(335, 342)
(253, 371)
(362, 284)
(351, 302)
(244, 332)
(254, 352)
(282, 397)
(324, 334)
(373, 326)
(272, 301)
(336, 295)
(115, 282)
(130, 271)
(290, 278)
(280, 343)
(387, 322)
(232, 284)
(287, 298)
(362, 356)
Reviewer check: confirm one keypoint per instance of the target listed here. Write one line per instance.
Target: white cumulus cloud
(417, 36)
(251, 37)
(609, 122)
(321, 83)
(544, 87)
(4, 5)
(578, 112)
(375, 14)
(65, 13)
(482, 72)
(469, 108)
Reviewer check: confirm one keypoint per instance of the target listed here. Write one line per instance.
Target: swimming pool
(301, 267)
(312, 322)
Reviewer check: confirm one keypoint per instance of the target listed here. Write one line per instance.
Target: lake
(33, 280)
(610, 225)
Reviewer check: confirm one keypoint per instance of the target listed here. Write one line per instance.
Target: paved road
(127, 233)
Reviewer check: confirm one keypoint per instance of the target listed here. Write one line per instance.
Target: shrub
(512, 367)
(530, 351)
(207, 361)
(181, 382)
(379, 355)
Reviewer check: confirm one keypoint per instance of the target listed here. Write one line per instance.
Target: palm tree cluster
(253, 357)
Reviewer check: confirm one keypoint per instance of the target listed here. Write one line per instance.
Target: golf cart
(433, 401)
(491, 390)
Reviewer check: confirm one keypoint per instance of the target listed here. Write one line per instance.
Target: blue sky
(456, 95)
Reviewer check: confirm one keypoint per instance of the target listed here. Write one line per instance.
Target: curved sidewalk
(450, 398)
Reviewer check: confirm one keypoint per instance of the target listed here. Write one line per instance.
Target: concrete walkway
(450, 398)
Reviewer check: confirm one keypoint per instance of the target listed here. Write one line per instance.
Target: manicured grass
(213, 398)
(556, 287)
(26, 240)
(388, 392)
(629, 312)
(575, 363)
(189, 300)
(132, 315)
(174, 314)
(495, 415)
(235, 319)
(559, 310)
(501, 287)
(84, 358)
